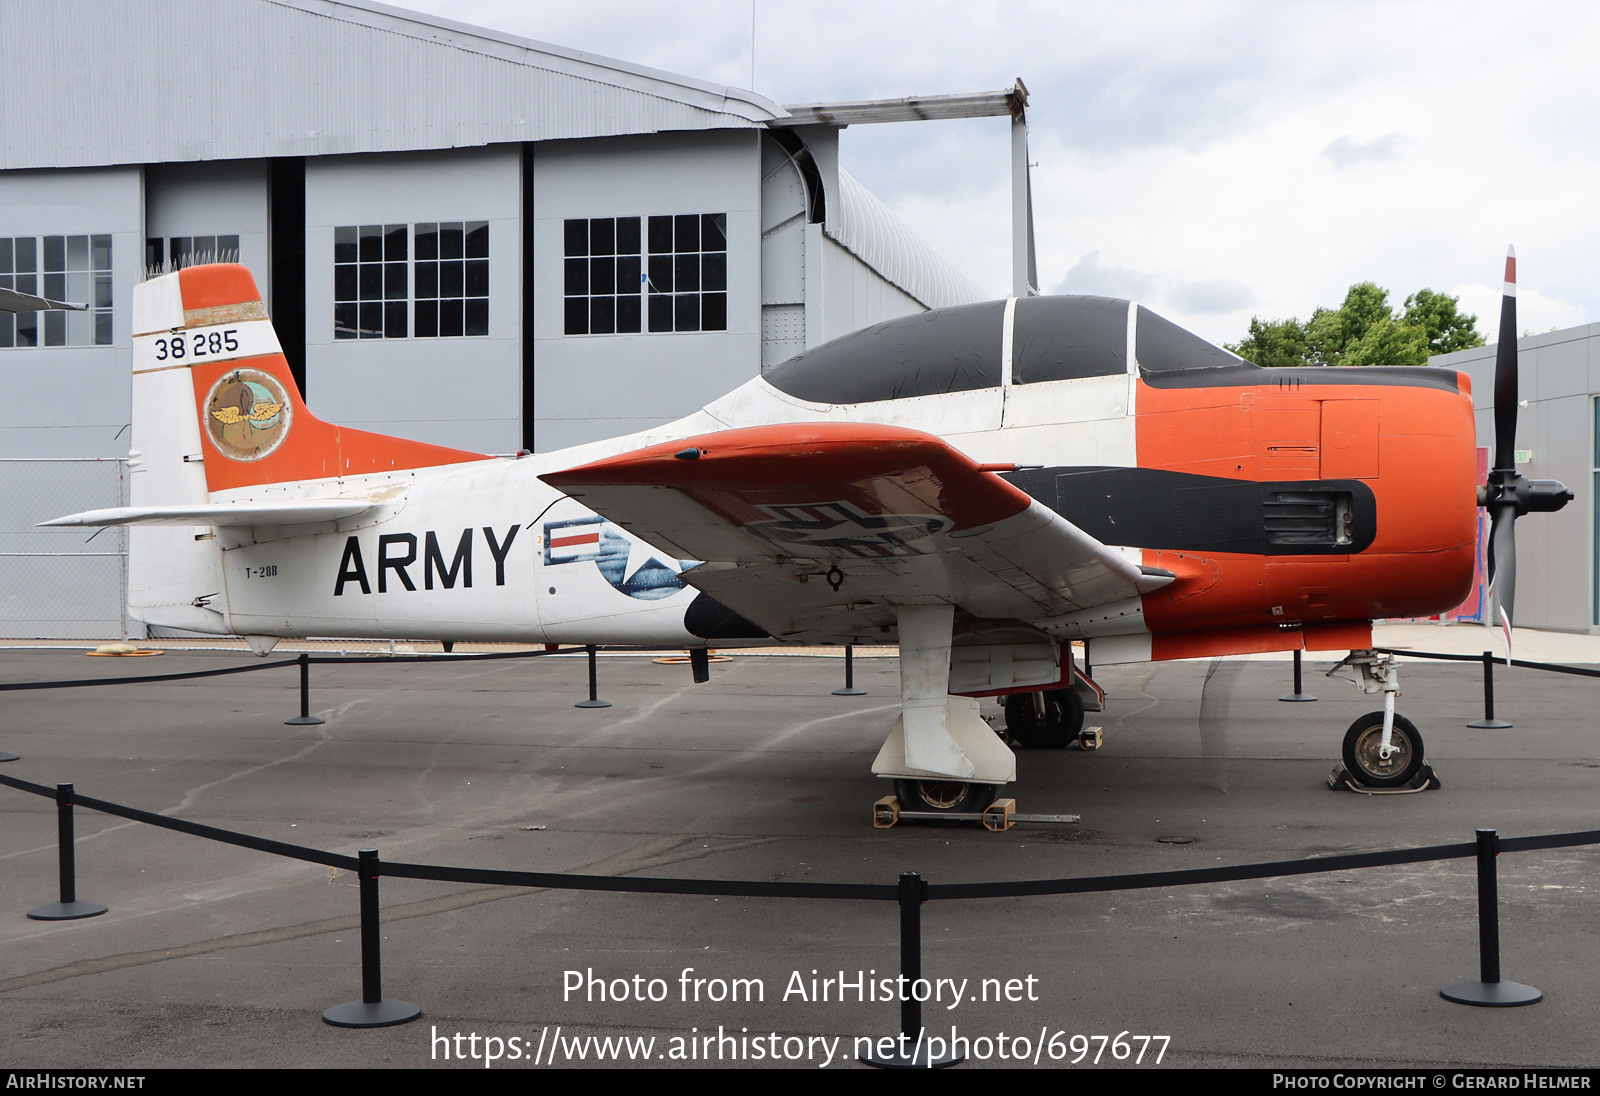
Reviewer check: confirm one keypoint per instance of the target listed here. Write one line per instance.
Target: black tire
(1060, 724)
(1361, 759)
(943, 795)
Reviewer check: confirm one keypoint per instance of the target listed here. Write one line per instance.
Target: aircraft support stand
(1489, 991)
(849, 674)
(911, 1050)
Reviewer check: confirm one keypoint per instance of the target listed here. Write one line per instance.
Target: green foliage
(1364, 330)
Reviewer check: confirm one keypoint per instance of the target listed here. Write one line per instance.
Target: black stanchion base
(361, 1014)
(1490, 724)
(1297, 698)
(303, 721)
(8, 756)
(916, 1060)
(1491, 994)
(849, 692)
(67, 911)
(592, 704)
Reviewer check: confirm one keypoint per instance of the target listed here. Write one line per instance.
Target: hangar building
(464, 237)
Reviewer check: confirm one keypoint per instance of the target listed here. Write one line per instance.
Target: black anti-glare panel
(946, 350)
(1063, 338)
(1162, 346)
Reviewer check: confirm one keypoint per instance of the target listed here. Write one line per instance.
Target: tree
(1364, 330)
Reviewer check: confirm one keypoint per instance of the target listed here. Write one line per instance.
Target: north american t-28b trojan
(982, 485)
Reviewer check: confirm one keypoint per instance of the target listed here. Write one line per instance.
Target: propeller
(1509, 494)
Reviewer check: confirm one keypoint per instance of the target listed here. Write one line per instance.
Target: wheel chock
(1426, 779)
(885, 812)
(1091, 738)
(997, 815)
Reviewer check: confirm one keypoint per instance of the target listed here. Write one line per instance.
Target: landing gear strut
(1381, 749)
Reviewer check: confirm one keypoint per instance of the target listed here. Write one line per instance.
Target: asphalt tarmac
(213, 955)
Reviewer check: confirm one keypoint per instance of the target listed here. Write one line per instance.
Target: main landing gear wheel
(1059, 723)
(1361, 746)
(943, 795)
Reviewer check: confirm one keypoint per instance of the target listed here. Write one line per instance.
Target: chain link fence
(63, 583)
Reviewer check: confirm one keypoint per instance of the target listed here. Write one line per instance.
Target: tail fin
(251, 426)
(216, 410)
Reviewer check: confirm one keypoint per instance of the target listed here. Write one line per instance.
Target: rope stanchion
(1299, 696)
(849, 674)
(305, 718)
(594, 700)
(1488, 720)
(1489, 991)
(372, 1010)
(69, 908)
(910, 1050)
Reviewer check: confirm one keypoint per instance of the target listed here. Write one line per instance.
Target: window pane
(427, 241)
(628, 315)
(102, 328)
(55, 255)
(477, 317)
(602, 274)
(661, 312)
(450, 275)
(686, 312)
(603, 236)
(155, 253)
(102, 291)
(55, 286)
(27, 260)
(371, 243)
(427, 280)
(661, 273)
(394, 320)
(714, 271)
(577, 280)
(344, 283)
(686, 233)
(227, 249)
(577, 236)
(344, 244)
(714, 312)
(100, 251)
(55, 329)
(577, 316)
(8, 331)
(394, 281)
(394, 242)
(714, 232)
(477, 239)
(628, 274)
(371, 320)
(686, 272)
(450, 242)
(427, 319)
(77, 253)
(477, 278)
(371, 282)
(344, 321)
(627, 235)
(449, 319)
(660, 235)
(602, 316)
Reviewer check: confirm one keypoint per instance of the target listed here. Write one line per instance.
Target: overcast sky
(1213, 160)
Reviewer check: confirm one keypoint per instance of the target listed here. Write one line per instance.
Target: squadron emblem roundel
(247, 414)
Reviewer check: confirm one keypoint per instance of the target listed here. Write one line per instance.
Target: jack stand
(997, 817)
(1426, 779)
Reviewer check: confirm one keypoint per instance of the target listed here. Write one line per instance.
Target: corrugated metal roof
(95, 82)
(865, 227)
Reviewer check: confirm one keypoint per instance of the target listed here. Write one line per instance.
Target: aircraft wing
(226, 514)
(816, 532)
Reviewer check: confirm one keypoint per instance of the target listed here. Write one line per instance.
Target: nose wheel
(1366, 759)
(945, 796)
(1045, 720)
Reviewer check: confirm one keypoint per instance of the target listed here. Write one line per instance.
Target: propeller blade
(1502, 561)
(1505, 371)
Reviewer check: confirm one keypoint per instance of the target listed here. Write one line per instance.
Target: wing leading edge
(818, 532)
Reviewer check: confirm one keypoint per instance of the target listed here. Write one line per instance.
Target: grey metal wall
(1556, 553)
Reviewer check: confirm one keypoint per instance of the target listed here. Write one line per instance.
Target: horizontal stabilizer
(224, 514)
